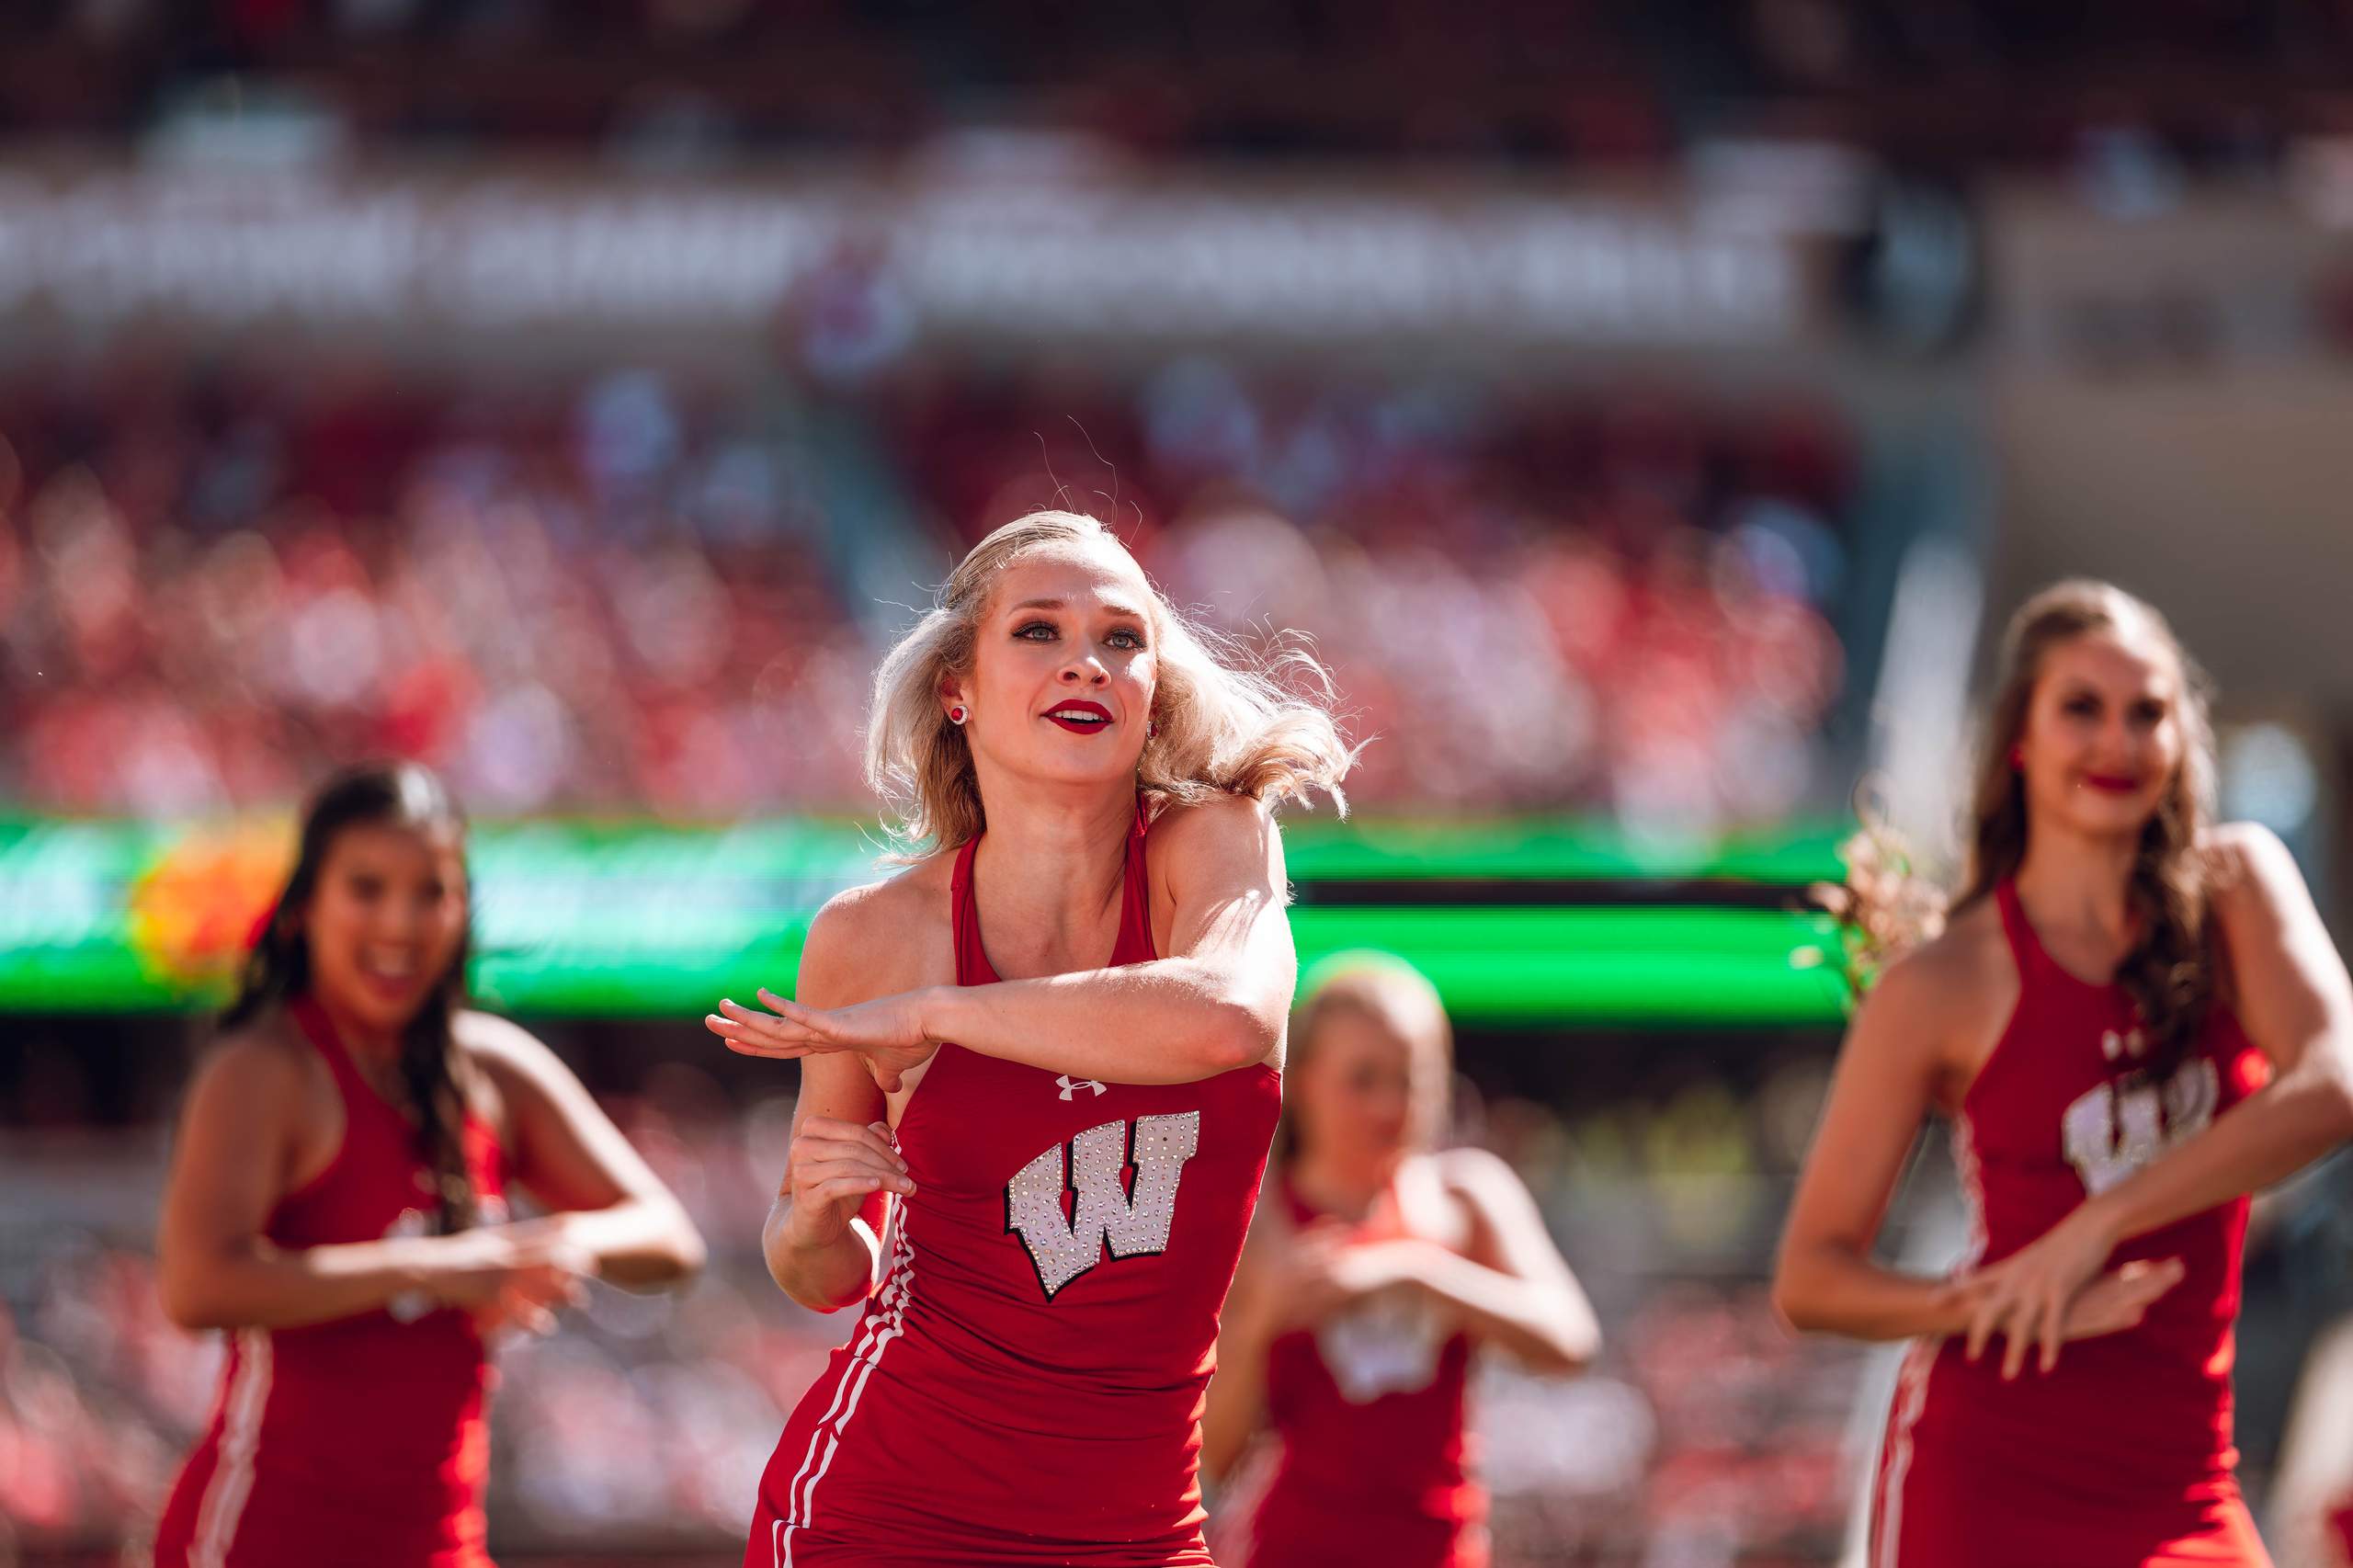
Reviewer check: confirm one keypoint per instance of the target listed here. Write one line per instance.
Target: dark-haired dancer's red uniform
(1026, 1384)
(2123, 1457)
(363, 1441)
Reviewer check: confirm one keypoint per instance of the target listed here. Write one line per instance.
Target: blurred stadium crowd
(1592, 80)
(626, 595)
(1707, 1436)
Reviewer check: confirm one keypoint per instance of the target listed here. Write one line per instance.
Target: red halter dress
(2122, 1458)
(1375, 1455)
(364, 1441)
(1026, 1383)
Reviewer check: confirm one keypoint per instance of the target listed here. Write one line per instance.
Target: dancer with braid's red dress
(1039, 1077)
(337, 1204)
(2131, 1019)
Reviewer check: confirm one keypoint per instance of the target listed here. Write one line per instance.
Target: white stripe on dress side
(872, 1329)
(1973, 1187)
(1911, 1396)
(891, 1319)
(232, 1473)
(869, 1323)
(894, 1313)
(1912, 1381)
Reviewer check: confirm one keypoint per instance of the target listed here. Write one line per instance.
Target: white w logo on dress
(2107, 1134)
(1069, 1083)
(1133, 1226)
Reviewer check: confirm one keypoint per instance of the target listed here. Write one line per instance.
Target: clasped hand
(1323, 1272)
(2052, 1290)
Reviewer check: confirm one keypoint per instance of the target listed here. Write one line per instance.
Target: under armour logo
(1069, 1082)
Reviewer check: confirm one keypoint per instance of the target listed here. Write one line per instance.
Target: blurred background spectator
(618, 598)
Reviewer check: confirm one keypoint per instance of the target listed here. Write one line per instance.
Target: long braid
(2170, 972)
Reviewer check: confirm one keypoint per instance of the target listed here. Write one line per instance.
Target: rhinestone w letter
(1105, 1214)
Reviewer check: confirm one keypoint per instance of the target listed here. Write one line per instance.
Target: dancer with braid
(2131, 1019)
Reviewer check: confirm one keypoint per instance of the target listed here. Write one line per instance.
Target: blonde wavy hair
(1227, 722)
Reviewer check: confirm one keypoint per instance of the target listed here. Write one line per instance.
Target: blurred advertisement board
(1518, 922)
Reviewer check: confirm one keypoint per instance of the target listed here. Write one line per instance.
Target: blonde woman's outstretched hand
(887, 1032)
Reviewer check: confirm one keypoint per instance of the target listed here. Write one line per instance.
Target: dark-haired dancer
(336, 1202)
(2132, 1019)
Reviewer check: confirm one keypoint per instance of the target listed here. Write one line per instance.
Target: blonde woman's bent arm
(818, 1250)
(1217, 1002)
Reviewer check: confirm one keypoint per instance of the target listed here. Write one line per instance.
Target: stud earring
(958, 715)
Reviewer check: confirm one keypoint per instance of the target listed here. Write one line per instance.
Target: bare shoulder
(1220, 837)
(2247, 860)
(2257, 898)
(1220, 819)
(261, 1116)
(1943, 1005)
(501, 1046)
(262, 1085)
(264, 1055)
(1968, 957)
(1501, 1222)
(858, 918)
(1478, 1173)
(880, 938)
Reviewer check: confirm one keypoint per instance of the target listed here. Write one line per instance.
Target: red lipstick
(1098, 717)
(2112, 784)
